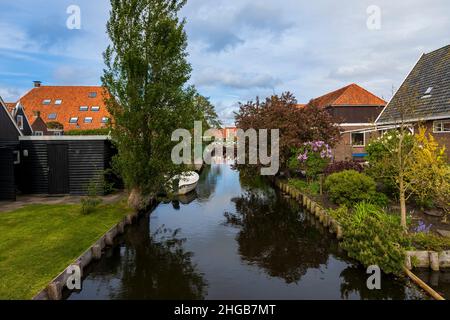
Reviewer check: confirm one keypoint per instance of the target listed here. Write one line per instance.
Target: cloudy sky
(239, 49)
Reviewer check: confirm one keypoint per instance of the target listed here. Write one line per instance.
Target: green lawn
(38, 242)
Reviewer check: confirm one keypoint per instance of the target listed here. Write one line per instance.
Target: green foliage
(313, 157)
(379, 199)
(312, 187)
(429, 241)
(54, 125)
(373, 237)
(146, 75)
(91, 201)
(209, 115)
(349, 187)
(90, 132)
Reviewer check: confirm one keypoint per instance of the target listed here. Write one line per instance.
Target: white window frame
(92, 95)
(84, 108)
(441, 126)
(52, 118)
(105, 120)
(58, 102)
(73, 122)
(47, 102)
(88, 120)
(38, 133)
(356, 145)
(20, 121)
(95, 108)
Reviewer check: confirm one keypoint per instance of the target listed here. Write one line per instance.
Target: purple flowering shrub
(314, 157)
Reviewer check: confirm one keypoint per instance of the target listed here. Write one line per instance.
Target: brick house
(353, 108)
(424, 97)
(74, 107)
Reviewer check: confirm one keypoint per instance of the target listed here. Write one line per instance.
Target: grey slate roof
(431, 71)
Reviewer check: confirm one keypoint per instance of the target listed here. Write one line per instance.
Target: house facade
(353, 109)
(69, 107)
(423, 98)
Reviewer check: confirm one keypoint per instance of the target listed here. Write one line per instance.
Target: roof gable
(351, 95)
(8, 127)
(411, 101)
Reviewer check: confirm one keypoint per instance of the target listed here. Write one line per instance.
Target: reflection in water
(147, 266)
(439, 281)
(264, 248)
(275, 237)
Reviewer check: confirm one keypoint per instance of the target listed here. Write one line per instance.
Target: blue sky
(238, 48)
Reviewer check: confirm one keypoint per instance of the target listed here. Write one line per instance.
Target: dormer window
(92, 94)
(46, 101)
(52, 116)
(95, 108)
(427, 93)
(84, 108)
(88, 120)
(73, 120)
(58, 102)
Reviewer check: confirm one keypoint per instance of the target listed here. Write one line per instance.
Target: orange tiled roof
(10, 106)
(72, 98)
(300, 105)
(351, 95)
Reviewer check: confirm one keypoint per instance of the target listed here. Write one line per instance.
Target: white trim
(390, 100)
(2, 103)
(63, 138)
(356, 124)
(357, 145)
(442, 117)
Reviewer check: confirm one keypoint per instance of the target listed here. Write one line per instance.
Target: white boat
(187, 182)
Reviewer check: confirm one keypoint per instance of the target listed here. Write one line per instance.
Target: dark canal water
(234, 239)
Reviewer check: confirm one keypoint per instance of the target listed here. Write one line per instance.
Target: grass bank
(38, 242)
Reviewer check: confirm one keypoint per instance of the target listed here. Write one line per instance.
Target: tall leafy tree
(146, 74)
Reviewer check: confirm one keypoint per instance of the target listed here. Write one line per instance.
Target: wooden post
(434, 261)
(54, 291)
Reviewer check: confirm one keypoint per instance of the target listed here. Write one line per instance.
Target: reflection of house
(74, 107)
(423, 97)
(353, 108)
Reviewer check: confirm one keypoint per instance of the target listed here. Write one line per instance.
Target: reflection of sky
(238, 49)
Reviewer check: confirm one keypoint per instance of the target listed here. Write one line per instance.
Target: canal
(235, 238)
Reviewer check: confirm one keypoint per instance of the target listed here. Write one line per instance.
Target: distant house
(424, 97)
(74, 107)
(353, 108)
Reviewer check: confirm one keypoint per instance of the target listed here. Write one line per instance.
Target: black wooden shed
(59, 165)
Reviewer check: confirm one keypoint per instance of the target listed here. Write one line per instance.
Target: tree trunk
(137, 201)
(402, 205)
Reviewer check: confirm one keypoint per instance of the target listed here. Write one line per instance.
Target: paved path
(42, 199)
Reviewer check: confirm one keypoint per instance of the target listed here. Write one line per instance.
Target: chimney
(37, 84)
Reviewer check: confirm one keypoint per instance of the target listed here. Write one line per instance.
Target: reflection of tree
(150, 266)
(355, 282)
(274, 238)
(208, 182)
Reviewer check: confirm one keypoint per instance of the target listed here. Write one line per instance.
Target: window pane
(46, 101)
(73, 120)
(105, 120)
(84, 108)
(446, 126)
(95, 108)
(88, 120)
(92, 94)
(58, 101)
(357, 139)
(52, 116)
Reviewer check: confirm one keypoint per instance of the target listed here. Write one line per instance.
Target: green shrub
(90, 132)
(312, 188)
(88, 204)
(373, 237)
(379, 199)
(429, 241)
(349, 187)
